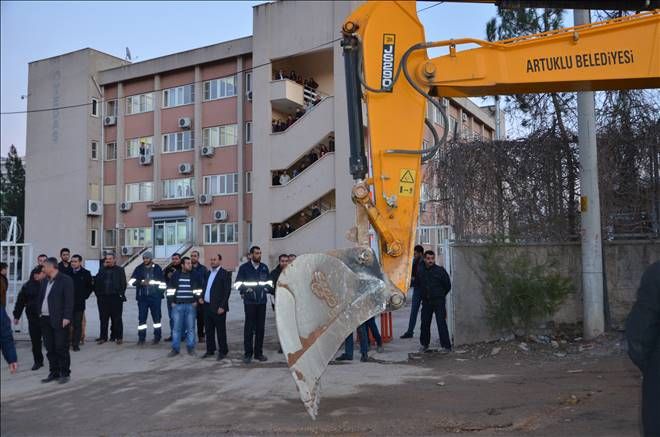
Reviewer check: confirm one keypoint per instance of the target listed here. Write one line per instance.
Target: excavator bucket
(321, 299)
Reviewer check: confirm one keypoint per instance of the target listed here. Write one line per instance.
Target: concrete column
(240, 166)
(592, 256)
(121, 155)
(157, 138)
(197, 238)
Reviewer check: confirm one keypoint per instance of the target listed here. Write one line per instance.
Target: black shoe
(140, 343)
(191, 352)
(51, 377)
(364, 358)
(37, 366)
(407, 335)
(279, 350)
(119, 341)
(344, 357)
(247, 360)
(208, 354)
(261, 358)
(168, 338)
(173, 353)
(76, 348)
(156, 341)
(100, 341)
(221, 357)
(64, 379)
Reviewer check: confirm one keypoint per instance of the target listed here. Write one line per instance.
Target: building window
(110, 151)
(436, 116)
(94, 150)
(425, 236)
(220, 233)
(140, 192)
(95, 107)
(109, 238)
(249, 226)
(221, 184)
(181, 95)
(178, 188)
(248, 181)
(111, 108)
(177, 142)
(136, 147)
(139, 103)
(452, 126)
(248, 132)
(220, 88)
(220, 136)
(248, 85)
(137, 237)
(93, 242)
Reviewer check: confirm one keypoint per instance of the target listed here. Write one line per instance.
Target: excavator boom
(323, 298)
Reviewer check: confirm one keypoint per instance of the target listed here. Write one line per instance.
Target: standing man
(64, 266)
(149, 285)
(199, 270)
(417, 292)
(83, 285)
(110, 289)
(29, 299)
(282, 262)
(253, 283)
(349, 346)
(215, 304)
(643, 334)
(185, 293)
(41, 259)
(56, 307)
(435, 283)
(7, 342)
(4, 285)
(175, 266)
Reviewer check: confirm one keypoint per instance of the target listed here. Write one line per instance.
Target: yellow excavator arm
(321, 298)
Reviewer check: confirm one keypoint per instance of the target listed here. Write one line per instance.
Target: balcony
(310, 185)
(317, 235)
(311, 128)
(286, 95)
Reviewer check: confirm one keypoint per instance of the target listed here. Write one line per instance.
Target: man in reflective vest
(149, 288)
(254, 283)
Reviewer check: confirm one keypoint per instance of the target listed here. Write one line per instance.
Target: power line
(80, 105)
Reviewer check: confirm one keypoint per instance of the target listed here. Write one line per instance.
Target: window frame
(248, 132)
(140, 187)
(248, 182)
(165, 143)
(150, 149)
(129, 103)
(225, 176)
(175, 91)
(217, 80)
(94, 110)
(141, 240)
(171, 181)
(105, 151)
(208, 232)
(113, 233)
(206, 135)
(93, 238)
(112, 113)
(248, 85)
(94, 150)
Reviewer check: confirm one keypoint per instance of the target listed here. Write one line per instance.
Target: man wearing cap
(149, 288)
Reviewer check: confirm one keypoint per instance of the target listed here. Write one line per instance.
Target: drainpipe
(239, 155)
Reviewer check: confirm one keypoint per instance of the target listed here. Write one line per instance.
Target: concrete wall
(625, 262)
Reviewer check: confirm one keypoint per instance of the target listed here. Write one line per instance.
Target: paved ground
(590, 390)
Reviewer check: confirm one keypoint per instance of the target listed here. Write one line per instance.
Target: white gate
(18, 257)
(438, 238)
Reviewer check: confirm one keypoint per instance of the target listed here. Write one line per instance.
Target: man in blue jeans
(364, 346)
(184, 293)
(417, 292)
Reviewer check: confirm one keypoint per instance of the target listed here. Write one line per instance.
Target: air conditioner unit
(185, 168)
(146, 159)
(110, 120)
(207, 151)
(126, 250)
(94, 207)
(205, 199)
(125, 206)
(249, 95)
(185, 122)
(220, 215)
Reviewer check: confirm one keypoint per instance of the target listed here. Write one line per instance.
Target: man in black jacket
(28, 299)
(56, 313)
(83, 285)
(643, 334)
(110, 288)
(64, 266)
(435, 285)
(418, 256)
(199, 270)
(174, 267)
(215, 304)
(282, 263)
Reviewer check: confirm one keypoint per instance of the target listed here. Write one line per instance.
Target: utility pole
(590, 229)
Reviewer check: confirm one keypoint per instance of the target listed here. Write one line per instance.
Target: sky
(31, 30)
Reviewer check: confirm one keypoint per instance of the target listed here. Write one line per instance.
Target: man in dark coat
(215, 305)
(28, 300)
(199, 271)
(110, 288)
(435, 285)
(64, 266)
(643, 334)
(418, 256)
(282, 263)
(83, 285)
(56, 313)
(149, 289)
(170, 270)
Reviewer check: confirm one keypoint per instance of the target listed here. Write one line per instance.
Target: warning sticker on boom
(407, 183)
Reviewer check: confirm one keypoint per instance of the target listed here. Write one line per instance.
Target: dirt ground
(503, 388)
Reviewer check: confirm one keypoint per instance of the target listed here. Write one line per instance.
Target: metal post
(592, 256)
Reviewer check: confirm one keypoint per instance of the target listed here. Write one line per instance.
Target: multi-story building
(238, 143)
